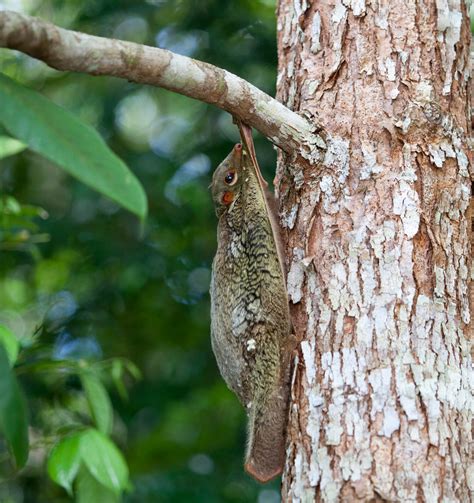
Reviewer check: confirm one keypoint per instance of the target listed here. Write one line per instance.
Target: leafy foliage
(19, 230)
(55, 133)
(85, 455)
(85, 450)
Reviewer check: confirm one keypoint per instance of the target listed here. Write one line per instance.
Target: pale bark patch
(379, 286)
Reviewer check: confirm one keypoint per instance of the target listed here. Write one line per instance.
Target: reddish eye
(230, 177)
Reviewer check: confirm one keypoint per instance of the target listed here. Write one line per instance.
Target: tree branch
(69, 50)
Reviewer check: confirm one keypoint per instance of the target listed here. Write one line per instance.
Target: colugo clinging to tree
(250, 321)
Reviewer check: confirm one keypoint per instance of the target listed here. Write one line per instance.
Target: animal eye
(230, 177)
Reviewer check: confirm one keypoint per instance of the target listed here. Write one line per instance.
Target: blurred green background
(102, 285)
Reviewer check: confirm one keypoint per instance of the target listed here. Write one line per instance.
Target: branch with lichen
(78, 52)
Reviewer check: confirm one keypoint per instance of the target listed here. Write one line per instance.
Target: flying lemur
(250, 321)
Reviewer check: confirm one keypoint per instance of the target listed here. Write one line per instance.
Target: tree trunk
(377, 229)
(378, 240)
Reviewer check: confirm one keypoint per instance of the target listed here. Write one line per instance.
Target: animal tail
(265, 457)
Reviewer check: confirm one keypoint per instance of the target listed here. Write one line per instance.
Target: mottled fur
(250, 327)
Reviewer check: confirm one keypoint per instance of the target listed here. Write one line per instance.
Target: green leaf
(10, 343)
(88, 490)
(118, 366)
(59, 136)
(13, 417)
(10, 146)
(99, 401)
(103, 460)
(10, 206)
(133, 370)
(64, 461)
(116, 371)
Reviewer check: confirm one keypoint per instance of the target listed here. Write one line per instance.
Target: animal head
(227, 180)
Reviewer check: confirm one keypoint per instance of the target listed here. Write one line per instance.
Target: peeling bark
(378, 248)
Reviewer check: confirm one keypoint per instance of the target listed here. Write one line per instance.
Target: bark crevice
(379, 282)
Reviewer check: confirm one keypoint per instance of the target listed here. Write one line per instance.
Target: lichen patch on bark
(378, 234)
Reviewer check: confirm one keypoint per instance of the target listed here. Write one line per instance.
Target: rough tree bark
(377, 229)
(378, 250)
